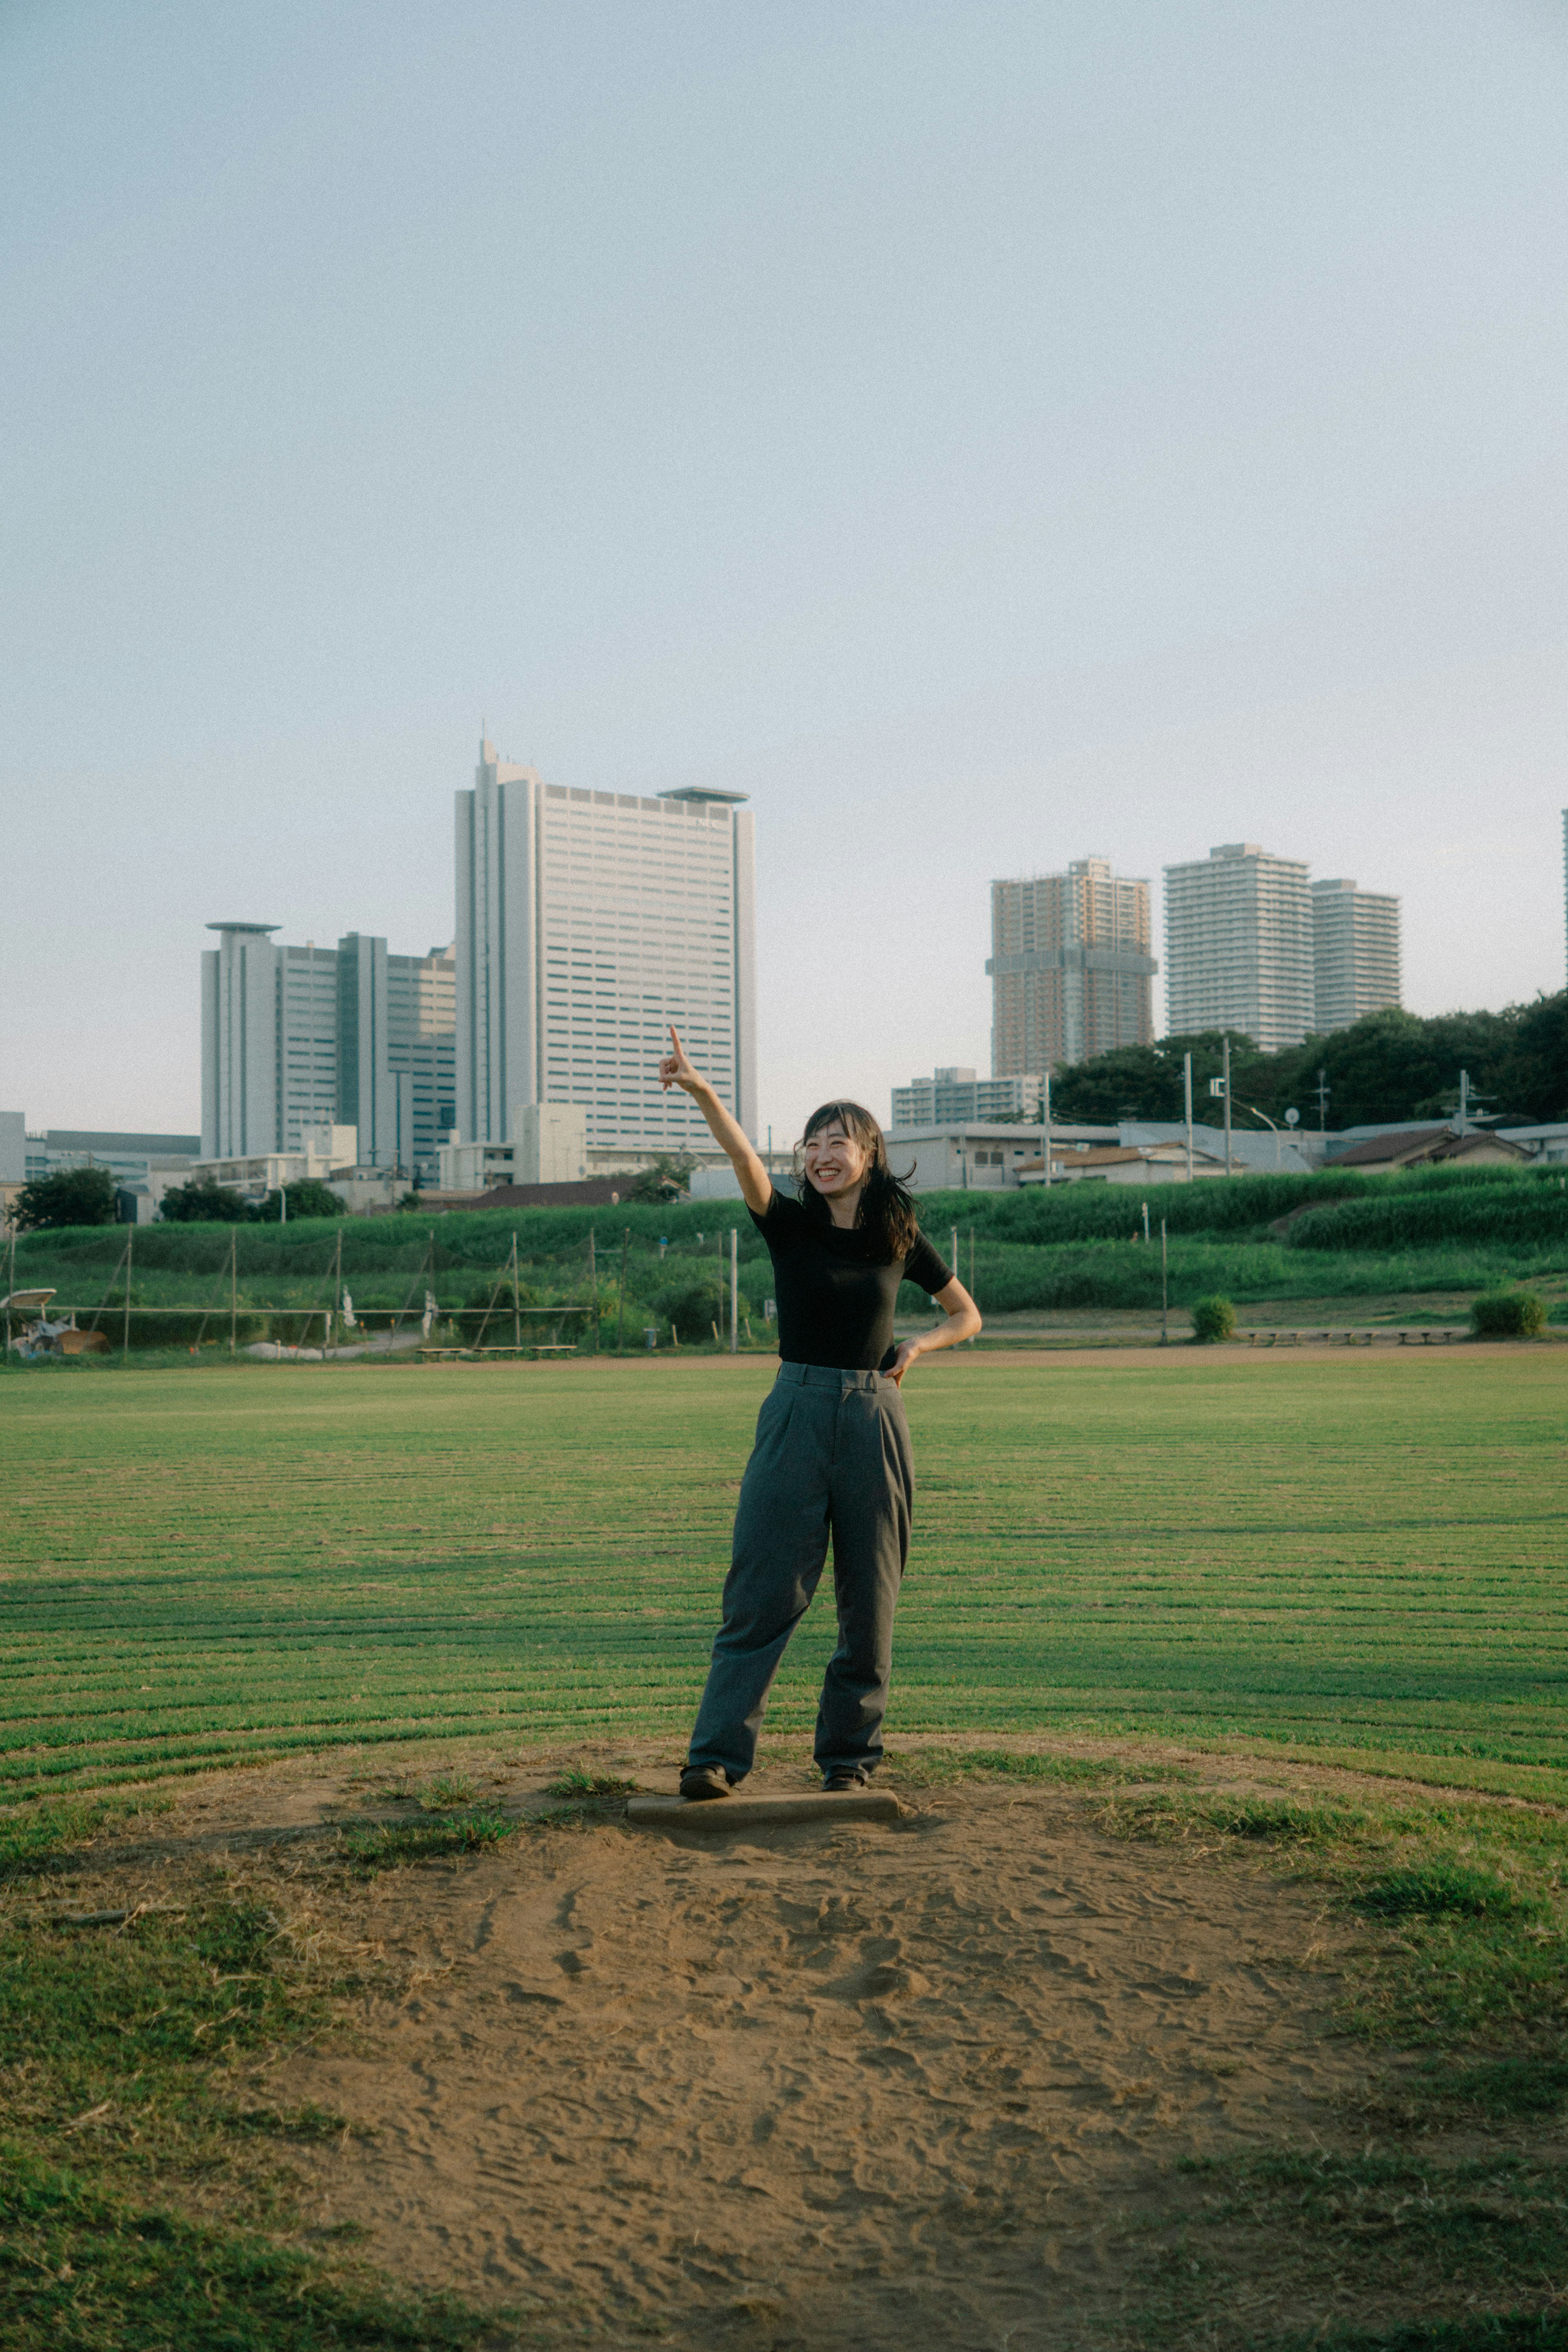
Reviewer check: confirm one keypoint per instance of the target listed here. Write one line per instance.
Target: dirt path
(916, 2088)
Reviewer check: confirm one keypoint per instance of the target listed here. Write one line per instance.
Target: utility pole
(1165, 1290)
(733, 1290)
(516, 1313)
(1323, 1091)
(233, 1285)
(10, 1288)
(621, 1319)
(1047, 1124)
(1228, 1168)
(955, 1249)
(337, 1288)
(593, 1288)
(125, 1343)
(1187, 1094)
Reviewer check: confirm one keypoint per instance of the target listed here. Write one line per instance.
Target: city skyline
(959, 429)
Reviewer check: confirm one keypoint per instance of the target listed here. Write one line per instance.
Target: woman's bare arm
(963, 1322)
(756, 1184)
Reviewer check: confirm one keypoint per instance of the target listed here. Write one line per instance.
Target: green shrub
(1213, 1319)
(203, 1201)
(1508, 1315)
(71, 1196)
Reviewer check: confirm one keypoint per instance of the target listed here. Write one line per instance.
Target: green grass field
(1361, 1555)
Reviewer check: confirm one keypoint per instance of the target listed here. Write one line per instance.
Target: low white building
(1544, 1144)
(957, 1094)
(328, 1151)
(1123, 1163)
(548, 1146)
(975, 1156)
(1254, 1151)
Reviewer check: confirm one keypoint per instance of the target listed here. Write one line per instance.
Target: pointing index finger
(675, 1041)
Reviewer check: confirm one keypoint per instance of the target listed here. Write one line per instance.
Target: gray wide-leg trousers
(831, 1458)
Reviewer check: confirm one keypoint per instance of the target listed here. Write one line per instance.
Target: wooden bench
(494, 1355)
(529, 1348)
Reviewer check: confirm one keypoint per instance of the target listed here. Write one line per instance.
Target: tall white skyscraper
(1238, 946)
(1356, 954)
(306, 1037)
(586, 921)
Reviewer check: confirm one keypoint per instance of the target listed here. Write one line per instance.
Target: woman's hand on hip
(902, 1361)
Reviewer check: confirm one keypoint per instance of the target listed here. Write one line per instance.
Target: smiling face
(835, 1162)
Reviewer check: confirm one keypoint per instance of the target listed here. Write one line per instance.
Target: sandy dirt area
(916, 2087)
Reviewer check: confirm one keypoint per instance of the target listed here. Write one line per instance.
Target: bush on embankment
(1213, 1319)
(1508, 1315)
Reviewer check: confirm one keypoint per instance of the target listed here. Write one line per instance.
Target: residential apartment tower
(1072, 974)
(1356, 954)
(1238, 946)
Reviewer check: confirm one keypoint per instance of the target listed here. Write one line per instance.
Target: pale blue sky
(986, 434)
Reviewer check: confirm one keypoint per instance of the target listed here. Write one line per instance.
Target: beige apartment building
(1238, 946)
(1070, 970)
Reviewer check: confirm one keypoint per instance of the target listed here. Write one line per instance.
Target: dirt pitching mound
(923, 2087)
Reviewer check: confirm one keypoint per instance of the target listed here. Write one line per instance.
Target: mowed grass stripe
(1361, 1552)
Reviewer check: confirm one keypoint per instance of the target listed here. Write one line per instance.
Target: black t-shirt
(835, 1302)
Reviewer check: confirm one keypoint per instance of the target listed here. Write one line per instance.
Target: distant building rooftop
(701, 792)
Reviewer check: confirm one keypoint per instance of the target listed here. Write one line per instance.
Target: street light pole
(1227, 1102)
(1187, 1097)
(1268, 1122)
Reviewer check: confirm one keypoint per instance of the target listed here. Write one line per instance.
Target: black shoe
(700, 1782)
(840, 1782)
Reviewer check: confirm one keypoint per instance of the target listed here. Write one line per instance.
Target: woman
(832, 1445)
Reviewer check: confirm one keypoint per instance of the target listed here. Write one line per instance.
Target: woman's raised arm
(756, 1184)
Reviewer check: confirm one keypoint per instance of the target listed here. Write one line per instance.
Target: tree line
(1388, 1065)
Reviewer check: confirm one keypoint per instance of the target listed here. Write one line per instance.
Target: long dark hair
(886, 1216)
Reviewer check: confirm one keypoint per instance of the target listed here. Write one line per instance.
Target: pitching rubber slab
(759, 1813)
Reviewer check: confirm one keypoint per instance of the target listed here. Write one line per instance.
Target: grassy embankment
(1441, 1231)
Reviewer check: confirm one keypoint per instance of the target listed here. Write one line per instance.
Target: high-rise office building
(299, 1037)
(1238, 946)
(586, 921)
(1356, 954)
(1070, 970)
